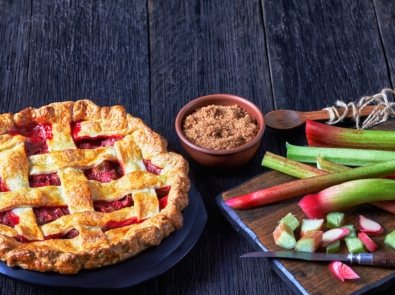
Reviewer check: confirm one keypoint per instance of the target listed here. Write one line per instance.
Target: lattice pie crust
(83, 186)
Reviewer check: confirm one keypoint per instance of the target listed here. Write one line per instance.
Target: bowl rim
(190, 107)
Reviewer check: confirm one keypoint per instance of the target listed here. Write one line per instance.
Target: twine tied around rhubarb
(382, 112)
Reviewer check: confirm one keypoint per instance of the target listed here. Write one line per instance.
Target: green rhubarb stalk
(323, 135)
(329, 166)
(308, 185)
(347, 194)
(343, 156)
(332, 167)
(300, 170)
(293, 168)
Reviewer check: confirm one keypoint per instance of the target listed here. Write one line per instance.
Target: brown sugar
(219, 127)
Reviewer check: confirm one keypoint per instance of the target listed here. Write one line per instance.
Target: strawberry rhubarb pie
(83, 186)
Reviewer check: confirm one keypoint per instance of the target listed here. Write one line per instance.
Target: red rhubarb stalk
(323, 135)
(347, 194)
(308, 185)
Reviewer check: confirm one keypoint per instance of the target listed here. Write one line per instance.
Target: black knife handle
(384, 259)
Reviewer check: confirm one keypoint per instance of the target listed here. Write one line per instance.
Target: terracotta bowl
(221, 160)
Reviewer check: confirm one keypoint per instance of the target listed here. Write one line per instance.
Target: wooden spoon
(287, 119)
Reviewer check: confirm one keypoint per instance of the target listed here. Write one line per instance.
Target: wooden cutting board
(257, 226)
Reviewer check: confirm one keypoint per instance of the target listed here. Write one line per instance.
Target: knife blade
(379, 259)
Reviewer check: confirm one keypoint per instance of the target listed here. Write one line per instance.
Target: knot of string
(381, 112)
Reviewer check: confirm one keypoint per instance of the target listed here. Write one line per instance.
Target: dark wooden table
(154, 56)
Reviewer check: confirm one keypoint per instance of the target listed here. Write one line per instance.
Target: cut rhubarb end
(333, 235)
(284, 236)
(369, 226)
(369, 244)
(342, 271)
(309, 242)
(311, 225)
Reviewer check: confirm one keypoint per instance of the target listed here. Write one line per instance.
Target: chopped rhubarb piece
(284, 236)
(151, 167)
(104, 172)
(162, 202)
(291, 221)
(333, 247)
(355, 245)
(342, 271)
(333, 235)
(3, 187)
(309, 242)
(9, 218)
(369, 244)
(389, 240)
(86, 142)
(162, 191)
(352, 233)
(48, 214)
(69, 235)
(37, 137)
(369, 226)
(118, 224)
(311, 225)
(106, 207)
(44, 180)
(334, 219)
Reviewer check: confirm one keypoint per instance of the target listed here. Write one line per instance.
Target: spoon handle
(324, 114)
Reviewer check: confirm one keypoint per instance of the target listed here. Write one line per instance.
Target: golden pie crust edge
(58, 255)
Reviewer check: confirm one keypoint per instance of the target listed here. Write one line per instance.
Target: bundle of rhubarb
(353, 167)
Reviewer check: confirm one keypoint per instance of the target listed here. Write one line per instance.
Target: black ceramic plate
(144, 266)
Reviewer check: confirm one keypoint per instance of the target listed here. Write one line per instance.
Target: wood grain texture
(322, 51)
(385, 11)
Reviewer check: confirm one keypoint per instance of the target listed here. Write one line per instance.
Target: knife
(378, 259)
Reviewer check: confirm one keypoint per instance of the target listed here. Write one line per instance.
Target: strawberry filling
(86, 142)
(37, 138)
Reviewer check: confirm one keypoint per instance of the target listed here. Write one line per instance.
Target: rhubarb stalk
(323, 135)
(343, 156)
(300, 170)
(308, 185)
(290, 167)
(347, 194)
(331, 167)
